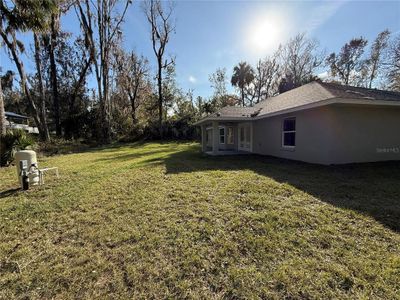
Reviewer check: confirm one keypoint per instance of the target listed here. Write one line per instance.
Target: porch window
(289, 133)
(229, 135)
(222, 135)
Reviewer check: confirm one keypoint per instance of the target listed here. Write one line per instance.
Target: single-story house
(324, 123)
(17, 121)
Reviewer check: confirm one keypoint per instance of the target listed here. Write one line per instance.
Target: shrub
(13, 141)
(63, 146)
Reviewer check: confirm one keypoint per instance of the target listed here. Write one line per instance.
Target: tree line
(131, 100)
(298, 62)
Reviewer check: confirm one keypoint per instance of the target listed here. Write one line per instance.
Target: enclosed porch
(226, 138)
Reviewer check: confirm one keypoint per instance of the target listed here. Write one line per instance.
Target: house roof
(234, 111)
(345, 91)
(15, 116)
(302, 97)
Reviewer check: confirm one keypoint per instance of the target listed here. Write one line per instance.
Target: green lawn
(164, 221)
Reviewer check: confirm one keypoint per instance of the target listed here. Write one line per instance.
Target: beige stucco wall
(365, 134)
(334, 134)
(313, 141)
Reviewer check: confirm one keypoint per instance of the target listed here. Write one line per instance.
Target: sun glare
(265, 34)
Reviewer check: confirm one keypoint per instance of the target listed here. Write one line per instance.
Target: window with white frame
(229, 135)
(222, 135)
(289, 133)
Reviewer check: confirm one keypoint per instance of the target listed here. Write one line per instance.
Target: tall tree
(220, 97)
(100, 44)
(392, 65)
(132, 79)
(74, 65)
(51, 45)
(42, 96)
(6, 83)
(2, 114)
(300, 58)
(52, 42)
(266, 75)
(243, 75)
(374, 62)
(170, 89)
(23, 16)
(348, 62)
(73, 62)
(162, 27)
(285, 84)
(218, 81)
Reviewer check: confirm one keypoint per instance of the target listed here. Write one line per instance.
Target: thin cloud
(192, 79)
(323, 75)
(323, 13)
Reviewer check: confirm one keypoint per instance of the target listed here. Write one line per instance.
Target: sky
(219, 34)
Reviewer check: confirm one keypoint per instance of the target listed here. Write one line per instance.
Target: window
(222, 135)
(229, 135)
(289, 133)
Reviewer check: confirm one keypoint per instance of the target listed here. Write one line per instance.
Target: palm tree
(243, 75)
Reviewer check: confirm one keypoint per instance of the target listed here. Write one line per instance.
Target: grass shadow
(9, 192)
(128, 156)
(369, 188)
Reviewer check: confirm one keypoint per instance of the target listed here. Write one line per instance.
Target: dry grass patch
(160, 220)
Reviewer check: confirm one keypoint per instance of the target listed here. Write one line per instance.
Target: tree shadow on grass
(128, 156)
(369, 188)
(10, 192)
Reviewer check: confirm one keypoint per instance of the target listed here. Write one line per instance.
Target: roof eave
(233, 119)
(336, 100)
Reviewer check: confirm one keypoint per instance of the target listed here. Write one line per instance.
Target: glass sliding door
(245, 139)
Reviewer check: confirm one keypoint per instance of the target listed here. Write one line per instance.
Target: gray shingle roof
(307, 94)
(234, 111)
(343, 91)
(14, 115)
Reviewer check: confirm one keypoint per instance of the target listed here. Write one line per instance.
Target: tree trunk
(72, 99)
(106, 105)
(242, 90)
(132, 99)
(68, 122)
(160, 97)
(42, 115)
(347, 77)
(2, 113)
(103, 23)
(106, 97)
(133, 114)
(372, 76)
(53, 75)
